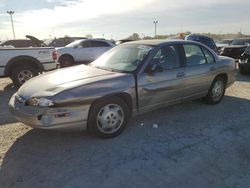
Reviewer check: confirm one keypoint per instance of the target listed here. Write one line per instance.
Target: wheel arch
(122, 95)
(22, 60)
(222, 75)
(65, 55)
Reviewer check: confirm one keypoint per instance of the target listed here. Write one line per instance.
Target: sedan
(128, 80)
(82, 51)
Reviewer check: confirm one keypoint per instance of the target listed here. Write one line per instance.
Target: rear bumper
(244, 66)
(50, 118)
(49, 65)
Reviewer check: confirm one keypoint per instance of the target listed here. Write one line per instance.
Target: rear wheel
(216, 91)
(66, 61)
(21, 74)
(108, 118)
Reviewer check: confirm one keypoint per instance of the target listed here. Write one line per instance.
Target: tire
(108, 117)
(66, 61)
(21, 74)
(216, 91)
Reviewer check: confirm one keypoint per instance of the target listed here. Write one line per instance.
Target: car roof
(103, 40)
(157, 42)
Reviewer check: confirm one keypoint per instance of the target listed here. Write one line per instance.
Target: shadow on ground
(195, 145)
(243, 77)
(5, 96)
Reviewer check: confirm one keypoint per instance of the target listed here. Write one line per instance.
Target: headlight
(39, 102)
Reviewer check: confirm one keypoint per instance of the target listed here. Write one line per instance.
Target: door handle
(180, 74)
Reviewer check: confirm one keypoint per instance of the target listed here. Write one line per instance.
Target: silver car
(130, 79)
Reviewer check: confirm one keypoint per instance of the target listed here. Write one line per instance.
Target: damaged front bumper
(70, 118)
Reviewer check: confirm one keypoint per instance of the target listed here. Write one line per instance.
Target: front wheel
(216, 91)
(108, 117)
(21, 74)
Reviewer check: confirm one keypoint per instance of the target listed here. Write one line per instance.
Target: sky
(118, 19)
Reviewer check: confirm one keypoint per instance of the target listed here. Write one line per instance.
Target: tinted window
(167, 57)
(86, 44)
(209, 56)
(99, 44)
(238, 42)
(194, 55)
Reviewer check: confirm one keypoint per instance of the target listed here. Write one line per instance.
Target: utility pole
(155, 22)
(11, 13)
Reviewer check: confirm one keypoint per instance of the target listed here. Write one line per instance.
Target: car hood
(54, 82)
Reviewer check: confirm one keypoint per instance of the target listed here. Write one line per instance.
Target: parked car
(203, 39)
(21, 64)
(82, 51)
(223, 43)
(244, 61)
(236, 48)
(129, 79)
(63, 41)
(123, 41)
(24, 43)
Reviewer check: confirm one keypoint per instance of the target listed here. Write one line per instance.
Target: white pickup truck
(21, 64)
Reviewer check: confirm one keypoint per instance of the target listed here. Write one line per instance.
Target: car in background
(244, 61)
(223, 43)
(236, 48)
(63, 41)
(82, 51)
(128, 80)
(24, 43)
(123, 41)
(203, 39)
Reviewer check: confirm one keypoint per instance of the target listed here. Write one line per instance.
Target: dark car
(223, 43)
(236, 48)
(24, 43)
(244, 61)
(204, 40)
(130, 79)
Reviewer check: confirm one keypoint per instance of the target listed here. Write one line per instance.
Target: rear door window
(194, 55)
(209, 56)
(99, 44)
(86, 44)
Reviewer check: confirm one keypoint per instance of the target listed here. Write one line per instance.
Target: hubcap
(110, 118)
(25, 75)
(218, 89)
(65, 63)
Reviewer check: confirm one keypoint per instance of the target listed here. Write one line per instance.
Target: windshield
(125, 58)
(73, 44)
(225, 42)
(238, 42)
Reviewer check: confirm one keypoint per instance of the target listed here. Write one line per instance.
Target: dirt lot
(195, 145)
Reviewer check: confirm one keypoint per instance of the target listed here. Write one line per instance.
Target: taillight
(54, 55)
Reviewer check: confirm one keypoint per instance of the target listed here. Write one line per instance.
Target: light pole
(155, 22)
(11, 13)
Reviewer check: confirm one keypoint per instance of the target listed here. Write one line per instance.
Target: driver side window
(167, 57)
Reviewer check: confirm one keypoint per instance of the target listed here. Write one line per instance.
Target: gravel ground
(195, 145)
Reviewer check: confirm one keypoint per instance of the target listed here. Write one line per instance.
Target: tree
(89, 36)
(134, 36)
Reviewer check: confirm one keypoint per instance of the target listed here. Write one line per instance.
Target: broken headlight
(39, 102)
